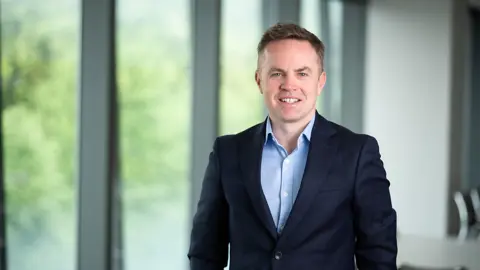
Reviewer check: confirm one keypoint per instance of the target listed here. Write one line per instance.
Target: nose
(288, 83)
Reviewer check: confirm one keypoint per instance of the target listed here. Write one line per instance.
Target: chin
(290, 116)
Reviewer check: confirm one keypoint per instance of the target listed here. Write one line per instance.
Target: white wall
(407, 106)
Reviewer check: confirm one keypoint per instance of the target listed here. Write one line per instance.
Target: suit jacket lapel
(251, 148)
(321, 153)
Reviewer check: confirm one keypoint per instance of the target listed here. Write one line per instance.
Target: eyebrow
(305, 68)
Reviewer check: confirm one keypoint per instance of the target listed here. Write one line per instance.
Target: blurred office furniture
(468, 209)
(412, 267)
(475, 197)
(433, 253)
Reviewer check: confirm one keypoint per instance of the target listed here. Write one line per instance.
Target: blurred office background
(110, 108)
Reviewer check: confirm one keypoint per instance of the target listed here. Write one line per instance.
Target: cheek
(311, 88)
(271, 87)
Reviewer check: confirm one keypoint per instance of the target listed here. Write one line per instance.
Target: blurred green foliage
(40, 70)
(38, 98)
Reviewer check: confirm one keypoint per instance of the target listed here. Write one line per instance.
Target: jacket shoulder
(351, 138)
(240, 136)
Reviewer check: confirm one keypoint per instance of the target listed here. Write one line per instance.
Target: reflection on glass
(155, 99)
(40, 48)
(310, 18)
(241, 104)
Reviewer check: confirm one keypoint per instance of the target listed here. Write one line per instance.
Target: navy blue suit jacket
(342, 217)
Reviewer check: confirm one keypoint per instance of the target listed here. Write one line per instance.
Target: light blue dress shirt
(281, 173)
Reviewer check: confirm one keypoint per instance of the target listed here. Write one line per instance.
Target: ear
(258, 81)
(321, 82)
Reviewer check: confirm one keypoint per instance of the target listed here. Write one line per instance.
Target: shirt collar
(307, 132)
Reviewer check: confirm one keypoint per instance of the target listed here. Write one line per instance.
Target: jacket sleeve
(375, 218)
(209, 236)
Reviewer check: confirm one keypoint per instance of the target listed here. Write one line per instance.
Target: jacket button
(278, 255)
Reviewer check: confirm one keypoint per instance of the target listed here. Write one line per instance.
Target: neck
(287, 134)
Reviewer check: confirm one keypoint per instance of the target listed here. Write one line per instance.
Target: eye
(275, 74)
(303, 74)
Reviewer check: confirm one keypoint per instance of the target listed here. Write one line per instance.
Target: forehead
(290, 52)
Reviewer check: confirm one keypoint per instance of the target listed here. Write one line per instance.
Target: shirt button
(287, 161)
(285, 194)
(278, 255)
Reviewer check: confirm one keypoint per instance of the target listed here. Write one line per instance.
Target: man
(296, 192)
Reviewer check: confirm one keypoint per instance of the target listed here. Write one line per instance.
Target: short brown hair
(282, 31)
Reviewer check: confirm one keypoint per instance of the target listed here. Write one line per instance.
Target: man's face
(289, 77)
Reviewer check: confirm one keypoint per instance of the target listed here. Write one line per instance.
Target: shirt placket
(285, 190)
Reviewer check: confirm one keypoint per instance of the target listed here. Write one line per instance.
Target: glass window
(241, 104)
(310, 18)
(334, 74)
(40, 51)
(155, 100)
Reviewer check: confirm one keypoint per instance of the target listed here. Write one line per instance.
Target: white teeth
(289, 100)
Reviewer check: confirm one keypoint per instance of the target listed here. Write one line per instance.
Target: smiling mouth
(289, 100)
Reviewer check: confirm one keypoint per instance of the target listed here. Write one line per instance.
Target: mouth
(289, 100)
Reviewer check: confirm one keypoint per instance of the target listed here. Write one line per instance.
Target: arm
(209, 236)
(375, 219)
